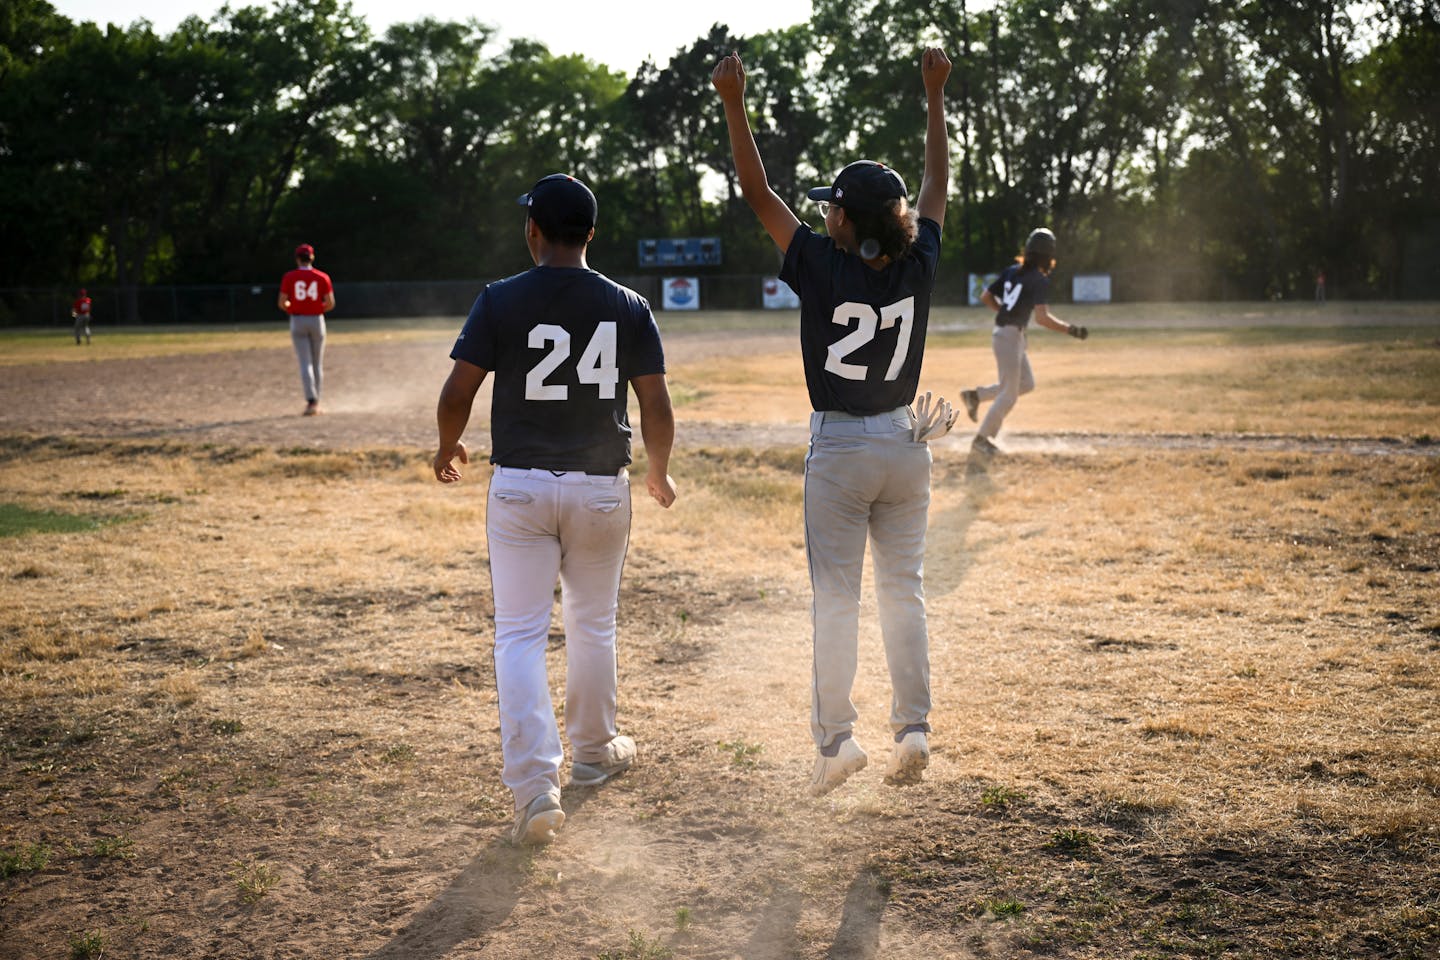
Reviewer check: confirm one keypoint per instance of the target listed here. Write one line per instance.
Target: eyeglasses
(825, 208)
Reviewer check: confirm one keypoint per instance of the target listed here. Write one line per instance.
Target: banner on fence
(1090, 288)
(680, 293)
(978, 283)
(777, 295)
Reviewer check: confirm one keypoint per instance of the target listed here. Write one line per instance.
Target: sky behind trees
(1193, 149)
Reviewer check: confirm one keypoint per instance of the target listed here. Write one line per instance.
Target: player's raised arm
(935, 185)
(657, 431)
(777, 218)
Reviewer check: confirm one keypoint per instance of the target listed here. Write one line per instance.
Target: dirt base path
(383, 395)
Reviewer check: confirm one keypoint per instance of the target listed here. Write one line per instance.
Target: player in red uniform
(80, 310)
(306, 294)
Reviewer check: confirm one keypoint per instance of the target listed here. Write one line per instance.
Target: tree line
(1245, 144)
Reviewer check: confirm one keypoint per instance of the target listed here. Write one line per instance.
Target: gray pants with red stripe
(865, 478)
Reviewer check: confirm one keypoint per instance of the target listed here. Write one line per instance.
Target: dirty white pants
(540, 527)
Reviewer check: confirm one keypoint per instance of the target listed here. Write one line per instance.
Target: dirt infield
(382, 393)
(1185, 677)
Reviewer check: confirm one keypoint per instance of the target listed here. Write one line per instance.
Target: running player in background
(1022, 288)
(80, 311)
(566, 345)
(864, 307)
(306, 294)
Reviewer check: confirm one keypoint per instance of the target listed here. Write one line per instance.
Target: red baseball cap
(305, 252)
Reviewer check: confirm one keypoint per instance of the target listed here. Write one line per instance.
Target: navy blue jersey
(862, 331)
(564, 344)
(1019, 292)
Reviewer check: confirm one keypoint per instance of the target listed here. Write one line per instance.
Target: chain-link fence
(239, 303)
(250, 303)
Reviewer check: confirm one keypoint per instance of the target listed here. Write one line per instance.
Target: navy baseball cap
(560, 200)
(865, 185)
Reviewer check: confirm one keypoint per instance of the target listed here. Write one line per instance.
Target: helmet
(1040, 241)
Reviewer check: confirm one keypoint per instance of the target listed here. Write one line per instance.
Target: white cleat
(619, 754)
(908, 760)
(538, 822)
(830, 772)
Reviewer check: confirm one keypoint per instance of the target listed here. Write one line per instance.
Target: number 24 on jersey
(597, 363)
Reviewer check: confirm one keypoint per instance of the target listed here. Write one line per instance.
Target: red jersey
(81, 307)
(307, 289)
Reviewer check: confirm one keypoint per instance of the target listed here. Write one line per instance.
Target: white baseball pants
(865, 476)
(540, 527)
(1016, 378)
(308, 335)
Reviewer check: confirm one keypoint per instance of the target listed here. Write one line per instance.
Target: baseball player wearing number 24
(1021, 289)
(864, 308)
(306, 294)
(566, 345)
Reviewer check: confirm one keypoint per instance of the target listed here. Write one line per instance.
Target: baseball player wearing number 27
(864, 307)
(566, 345)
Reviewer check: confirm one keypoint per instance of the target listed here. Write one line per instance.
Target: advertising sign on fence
(978, 283)
(680, 293)
(777, 295)
(1090, 288)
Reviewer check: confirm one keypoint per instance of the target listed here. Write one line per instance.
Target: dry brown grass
(1185, 706)
(296, 677)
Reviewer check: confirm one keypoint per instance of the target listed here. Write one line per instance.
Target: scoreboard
(680, 252)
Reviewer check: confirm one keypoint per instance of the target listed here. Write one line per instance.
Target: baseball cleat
(909, 758)
(971, 399)
(619, 754)
(312, 408)
(831, 771)
(537, 823)
(981, 446)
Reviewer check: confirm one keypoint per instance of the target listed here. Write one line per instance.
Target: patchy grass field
(1186, 699)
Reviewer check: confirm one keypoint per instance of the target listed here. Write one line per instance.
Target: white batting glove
(934, 416)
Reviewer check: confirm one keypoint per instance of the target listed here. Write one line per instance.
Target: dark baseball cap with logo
(864, 185)
(559, 201)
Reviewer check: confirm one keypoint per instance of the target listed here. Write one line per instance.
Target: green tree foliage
(1190, 147)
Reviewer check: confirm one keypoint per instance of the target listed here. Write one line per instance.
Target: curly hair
(887, 234)
(1036, 261)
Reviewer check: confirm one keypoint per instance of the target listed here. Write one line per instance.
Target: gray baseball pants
(1016, 378)
(308, 335)
(866, 477)
(540, 527)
